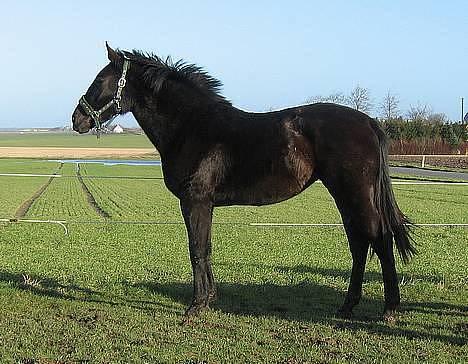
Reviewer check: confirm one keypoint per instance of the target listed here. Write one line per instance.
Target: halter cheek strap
(116, 101)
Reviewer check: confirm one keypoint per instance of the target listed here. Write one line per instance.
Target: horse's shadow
(307, 302)
(314, 303)
(301, 302)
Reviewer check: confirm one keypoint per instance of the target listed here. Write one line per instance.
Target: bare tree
(336, 98)
(437, 118)
(389, 107)
(359, 99)
(419, 112)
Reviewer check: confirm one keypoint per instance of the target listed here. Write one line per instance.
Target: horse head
(105, 97)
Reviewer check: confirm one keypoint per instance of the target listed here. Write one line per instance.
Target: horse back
(264, 158)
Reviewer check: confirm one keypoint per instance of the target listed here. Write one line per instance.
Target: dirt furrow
(26, 205)
(89, 196)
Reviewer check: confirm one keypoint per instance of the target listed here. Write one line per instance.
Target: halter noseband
(96, 114)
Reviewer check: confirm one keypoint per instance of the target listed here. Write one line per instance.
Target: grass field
(111, 291)
(74, 140)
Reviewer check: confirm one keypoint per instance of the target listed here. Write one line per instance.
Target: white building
(118, 129)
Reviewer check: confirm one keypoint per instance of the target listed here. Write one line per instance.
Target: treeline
(417, 131)
(425, 137)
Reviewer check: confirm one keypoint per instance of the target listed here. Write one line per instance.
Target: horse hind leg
(363, 229)
(384, 250)
(362, 225)
(359, 237)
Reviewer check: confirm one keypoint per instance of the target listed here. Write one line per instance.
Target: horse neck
(162, 116)
(154, 125)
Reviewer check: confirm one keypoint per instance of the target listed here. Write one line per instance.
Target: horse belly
(274, 170)
(276, 189)
(296, 175)
(291, 174)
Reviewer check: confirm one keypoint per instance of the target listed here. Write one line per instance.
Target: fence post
(423, 162)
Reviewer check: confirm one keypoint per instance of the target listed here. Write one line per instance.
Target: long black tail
(393, 221)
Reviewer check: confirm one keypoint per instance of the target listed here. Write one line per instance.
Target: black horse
(214, 154)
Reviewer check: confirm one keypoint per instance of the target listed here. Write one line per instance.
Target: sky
(268, 54)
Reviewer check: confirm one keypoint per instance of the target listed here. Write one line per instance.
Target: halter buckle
(122, 82)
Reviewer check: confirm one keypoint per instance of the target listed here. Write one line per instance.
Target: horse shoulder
(210, 172)
(299, 157)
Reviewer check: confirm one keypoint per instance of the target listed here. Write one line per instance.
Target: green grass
(113, 292)
(12, 165)
(14, 191)
(429, 203)
(74, 140)
(410, 177)
(63, 199)
(120, 170)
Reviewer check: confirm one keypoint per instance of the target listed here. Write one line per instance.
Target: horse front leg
(198, 217)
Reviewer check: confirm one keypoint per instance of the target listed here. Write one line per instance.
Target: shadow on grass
(307, 302)
(49, 287)
(369, 276)
(42, 286)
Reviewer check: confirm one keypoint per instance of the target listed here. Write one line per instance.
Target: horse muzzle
(81, 123)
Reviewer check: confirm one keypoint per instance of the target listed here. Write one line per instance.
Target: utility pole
(463, 113)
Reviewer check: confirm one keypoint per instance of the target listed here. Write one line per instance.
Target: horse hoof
(390, 312)
(345, 313)
(389, 316)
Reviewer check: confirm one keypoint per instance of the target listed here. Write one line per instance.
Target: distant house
(117, 129)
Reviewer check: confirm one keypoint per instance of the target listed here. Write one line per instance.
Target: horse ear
(112, 55)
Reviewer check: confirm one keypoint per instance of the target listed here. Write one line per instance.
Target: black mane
(156, 71)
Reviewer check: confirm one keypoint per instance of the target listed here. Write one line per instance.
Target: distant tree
(359, 99)
(335, 98)
(419, 112)
(389, 107)
(425, 132)
(393, 127)
(437, 118)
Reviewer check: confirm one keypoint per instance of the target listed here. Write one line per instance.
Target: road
(430, 173)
